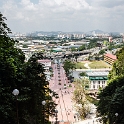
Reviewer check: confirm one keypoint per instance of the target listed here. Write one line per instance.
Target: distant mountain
(95, 32)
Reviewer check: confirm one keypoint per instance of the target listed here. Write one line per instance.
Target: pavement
(65, 107)
(88, 121)
(86, 65)
(101, 69)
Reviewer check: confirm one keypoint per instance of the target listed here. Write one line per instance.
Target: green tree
(4, 30)
(101, 52)
(79, 97)
(28, 78)
(11, 59)
(38, 91)
(108, 100)
(83, 74)
(68, 66)
(25, 46)
(118, 67)
(92, 44)
(81, 48)
(111, 98)
(73, 49)
(111, 46)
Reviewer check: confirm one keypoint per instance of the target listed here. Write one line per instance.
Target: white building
(46, 64)
(97, 79)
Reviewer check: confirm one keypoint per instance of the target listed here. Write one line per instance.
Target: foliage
(109, 103)
(92, 44)
(68, 66)
(39, 90)
(92, 100)
(25, 46)
(16, 73)
(115, 46)
(79, 98)
(82, 74)
(11, 61)
(73, 49)
(4, 30)
(81, 48)
(111, 46)
(112, 97)
(101, 52)
(52, 42)
(118, 68)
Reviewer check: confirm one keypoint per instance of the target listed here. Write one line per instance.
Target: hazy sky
(63, 15)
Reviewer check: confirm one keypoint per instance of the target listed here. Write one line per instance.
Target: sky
(63, 15)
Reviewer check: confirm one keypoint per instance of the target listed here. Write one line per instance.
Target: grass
(99, 64)
(92, 65)
(80, 65)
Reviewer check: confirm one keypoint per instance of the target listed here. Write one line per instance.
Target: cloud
(63, 14)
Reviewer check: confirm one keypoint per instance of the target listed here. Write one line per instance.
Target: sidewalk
(101, 69)
(86, 65)
(88, 121)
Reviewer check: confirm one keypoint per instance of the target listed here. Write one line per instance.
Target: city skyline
(63, 15)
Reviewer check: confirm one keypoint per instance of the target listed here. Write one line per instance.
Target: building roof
(111, 56)
(95, 73)
(98, 78)
(44, 60)
(57, 49)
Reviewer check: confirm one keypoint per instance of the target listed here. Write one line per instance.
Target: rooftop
(94, 73)
(111, 56)
(44, 60)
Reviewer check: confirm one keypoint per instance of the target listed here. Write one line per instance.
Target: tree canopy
(68, 66)
(112, 97)
(28, 78)
(79, 97)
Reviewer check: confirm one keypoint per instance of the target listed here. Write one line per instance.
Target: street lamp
(16, 93)
(56, 111)
(43, 103)
(116, 114)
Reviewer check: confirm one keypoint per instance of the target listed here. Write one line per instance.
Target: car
(64, 87)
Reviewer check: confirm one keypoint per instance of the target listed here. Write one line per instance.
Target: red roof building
(110, 58)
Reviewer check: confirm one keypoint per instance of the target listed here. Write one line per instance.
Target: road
(65, 105)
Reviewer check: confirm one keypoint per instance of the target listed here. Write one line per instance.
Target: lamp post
(43, 103)
(56, 111)
(116, 114)
(16, 93)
